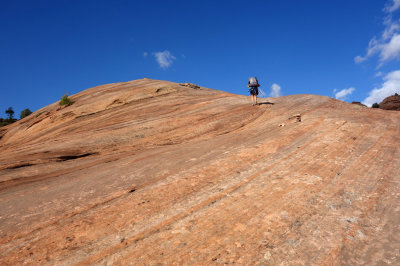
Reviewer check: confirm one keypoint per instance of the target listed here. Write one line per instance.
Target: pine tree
(10, 113)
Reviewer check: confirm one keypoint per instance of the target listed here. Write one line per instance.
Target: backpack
(253, 82)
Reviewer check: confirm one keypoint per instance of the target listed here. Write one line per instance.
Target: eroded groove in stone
(73, 157)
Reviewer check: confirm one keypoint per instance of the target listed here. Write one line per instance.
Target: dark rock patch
(73, 157)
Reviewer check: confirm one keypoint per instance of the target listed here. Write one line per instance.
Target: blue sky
(345, 49)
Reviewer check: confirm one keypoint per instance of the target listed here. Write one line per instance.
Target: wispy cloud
(392, 6)
(373, 48)
(387, 46)
(391, 50)
(390, 30)
(145, 54)
(164, 59)
(275, 90)
(342, 94)
(390, 86)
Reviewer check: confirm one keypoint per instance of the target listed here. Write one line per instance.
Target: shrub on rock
(65, 100)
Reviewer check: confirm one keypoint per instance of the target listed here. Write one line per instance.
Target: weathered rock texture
(391, 103)
(148, 172)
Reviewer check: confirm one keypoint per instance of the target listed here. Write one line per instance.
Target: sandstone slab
(149, 171)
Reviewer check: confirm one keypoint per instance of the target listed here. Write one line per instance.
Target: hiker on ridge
(253, 89)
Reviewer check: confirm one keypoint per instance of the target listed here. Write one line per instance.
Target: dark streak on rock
(73, 157)
(19, 165)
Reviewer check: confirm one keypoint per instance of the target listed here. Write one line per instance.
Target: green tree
(10, 119)
(10, 113)
(25, 113)
(396, 94)
(65, 100)
(375, 105)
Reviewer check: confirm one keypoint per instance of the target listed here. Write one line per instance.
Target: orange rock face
(148, 172)
(391, 103)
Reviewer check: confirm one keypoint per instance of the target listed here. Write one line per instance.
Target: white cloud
(395, 4)
(391, 50)
(359, 59)
(164, 59)
(388, 45)
(387, 49)
(379, 74)
(145, 54)
(341, 95)
(373, 48)
(391, 28)
(275, 90)
(388, 88)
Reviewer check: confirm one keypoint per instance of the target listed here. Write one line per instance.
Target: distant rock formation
(391, 103)
(359, 103)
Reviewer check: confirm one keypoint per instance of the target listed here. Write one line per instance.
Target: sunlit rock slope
(149, 171)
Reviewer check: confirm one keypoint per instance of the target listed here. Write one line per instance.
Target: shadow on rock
(266, 103)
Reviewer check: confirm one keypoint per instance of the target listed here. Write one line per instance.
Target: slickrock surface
(148, 172)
